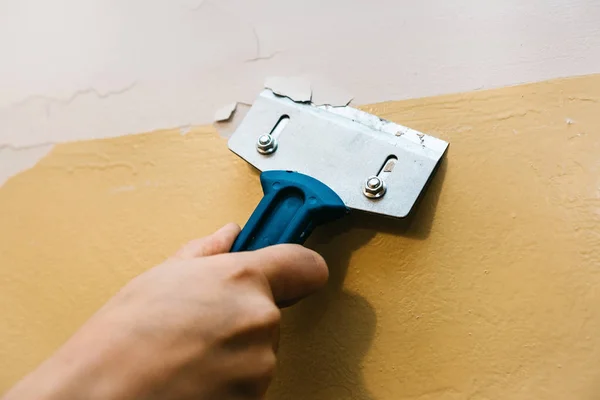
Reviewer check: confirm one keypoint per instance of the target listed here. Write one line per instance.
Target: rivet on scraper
(319, 162)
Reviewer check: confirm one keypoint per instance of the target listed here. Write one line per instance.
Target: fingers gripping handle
(292, 206)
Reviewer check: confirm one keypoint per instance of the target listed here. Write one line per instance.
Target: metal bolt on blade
(266, 144)
(374, 187)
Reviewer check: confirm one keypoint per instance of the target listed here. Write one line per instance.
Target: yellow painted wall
(493, 291)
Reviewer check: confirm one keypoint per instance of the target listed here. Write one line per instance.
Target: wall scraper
(319, 162)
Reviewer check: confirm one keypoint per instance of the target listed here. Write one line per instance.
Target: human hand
(202, 325)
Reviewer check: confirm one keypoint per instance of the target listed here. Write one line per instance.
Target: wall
(490, 292)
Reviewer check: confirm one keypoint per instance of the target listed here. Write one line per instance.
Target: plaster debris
(296, 88)
(225, 113)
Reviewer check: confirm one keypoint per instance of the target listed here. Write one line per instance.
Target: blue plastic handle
(292, 206)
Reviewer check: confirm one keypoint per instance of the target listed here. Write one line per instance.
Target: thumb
(292, 271)
(216, 243)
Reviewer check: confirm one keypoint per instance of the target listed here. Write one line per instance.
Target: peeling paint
(226, 112)
(227, 128)
(296, 88)
(90, 86)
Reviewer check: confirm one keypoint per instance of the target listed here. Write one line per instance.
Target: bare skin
(202, 325)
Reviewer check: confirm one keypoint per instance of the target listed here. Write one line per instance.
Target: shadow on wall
(325, 337)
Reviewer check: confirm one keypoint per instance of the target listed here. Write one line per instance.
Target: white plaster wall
(76, 69)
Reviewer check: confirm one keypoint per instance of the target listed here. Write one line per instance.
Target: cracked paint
(259, 56)
(295, 88)
(49, 101)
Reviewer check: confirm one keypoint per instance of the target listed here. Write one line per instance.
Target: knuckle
(269, 315)
(245, 272)
(217, 244)
(266, 315)
(263, 317)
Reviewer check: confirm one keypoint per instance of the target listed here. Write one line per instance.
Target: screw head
(266, 144)
(373, 183)
(374, 187)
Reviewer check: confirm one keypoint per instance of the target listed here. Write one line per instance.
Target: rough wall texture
(491, 292)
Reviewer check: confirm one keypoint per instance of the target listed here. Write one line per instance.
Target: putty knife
(318, 162)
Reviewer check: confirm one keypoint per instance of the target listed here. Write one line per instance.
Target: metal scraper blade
(342, 147)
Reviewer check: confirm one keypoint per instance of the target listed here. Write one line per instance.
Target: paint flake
(225, 113)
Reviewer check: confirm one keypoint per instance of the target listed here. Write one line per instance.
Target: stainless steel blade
(341, 147)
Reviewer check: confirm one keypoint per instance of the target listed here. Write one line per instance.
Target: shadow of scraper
(325, 337)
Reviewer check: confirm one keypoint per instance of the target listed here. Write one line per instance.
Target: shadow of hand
(325, 337)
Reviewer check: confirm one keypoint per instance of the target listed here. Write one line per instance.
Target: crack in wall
(257, 41)
(261, 58)
(73, 97)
